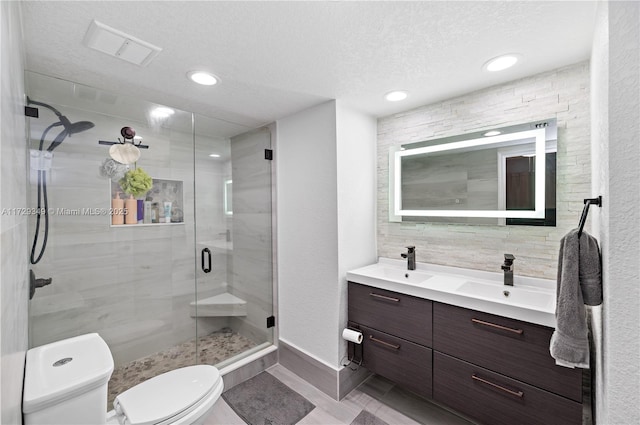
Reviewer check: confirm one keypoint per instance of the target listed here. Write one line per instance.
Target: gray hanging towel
(579, 283)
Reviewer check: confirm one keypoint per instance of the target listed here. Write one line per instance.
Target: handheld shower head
(59, 138)
(69, 127)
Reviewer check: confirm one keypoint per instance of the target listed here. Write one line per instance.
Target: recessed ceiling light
(214, 155)
(395, 96)
(162, 112)
(492, 133)
(202, 77)
(501, 62)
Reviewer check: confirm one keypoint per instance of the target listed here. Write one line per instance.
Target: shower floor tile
(212, 349)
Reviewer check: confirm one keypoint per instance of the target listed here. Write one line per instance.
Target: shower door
(190, 280)
(234, 289)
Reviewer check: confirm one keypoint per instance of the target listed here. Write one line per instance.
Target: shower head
(69, 127)
(76, 127)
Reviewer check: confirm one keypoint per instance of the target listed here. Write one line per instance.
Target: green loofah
(136, 182)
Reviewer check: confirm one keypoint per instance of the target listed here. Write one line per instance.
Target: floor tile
(321, 417)
(359, 399)
(376, 386)
(222, 414)
(367, 418)
(393, 417)
(378, 396)
(344, 411)
(419, 409)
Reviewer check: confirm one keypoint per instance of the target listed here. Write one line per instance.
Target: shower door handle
(207, 251)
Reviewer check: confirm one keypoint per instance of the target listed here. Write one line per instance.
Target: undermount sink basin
(530, 298)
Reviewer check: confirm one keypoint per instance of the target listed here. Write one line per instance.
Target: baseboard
(310, 369)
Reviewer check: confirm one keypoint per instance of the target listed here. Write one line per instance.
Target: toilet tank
(66, 382)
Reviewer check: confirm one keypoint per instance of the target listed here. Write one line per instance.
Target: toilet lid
(166, 395)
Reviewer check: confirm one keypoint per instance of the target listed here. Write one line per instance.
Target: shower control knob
(36, 283)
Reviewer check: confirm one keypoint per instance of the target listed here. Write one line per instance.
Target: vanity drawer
(507, 346)
(407, 364)
(494, 399)
(397, 314)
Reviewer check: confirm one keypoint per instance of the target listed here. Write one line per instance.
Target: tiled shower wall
(561, 94)
(14, 277)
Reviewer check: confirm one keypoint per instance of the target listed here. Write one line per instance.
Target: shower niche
(163, 204)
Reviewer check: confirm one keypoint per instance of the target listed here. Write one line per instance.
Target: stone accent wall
(562, 93)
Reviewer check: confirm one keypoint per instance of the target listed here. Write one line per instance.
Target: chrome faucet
(507, 267)
(410, 255)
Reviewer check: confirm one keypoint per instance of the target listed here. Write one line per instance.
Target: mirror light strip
(539, 212)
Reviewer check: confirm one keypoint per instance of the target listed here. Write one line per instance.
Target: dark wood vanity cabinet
(511, 347)
(397, 314)
(495, 399)
(492, 369)
(397, 334)
(399, 360)
(499, 371)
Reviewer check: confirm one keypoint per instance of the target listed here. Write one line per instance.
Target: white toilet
(66, 383)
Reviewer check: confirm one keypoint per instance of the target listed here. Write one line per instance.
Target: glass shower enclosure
(187, 277)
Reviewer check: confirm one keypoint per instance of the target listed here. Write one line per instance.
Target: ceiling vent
(116, 43)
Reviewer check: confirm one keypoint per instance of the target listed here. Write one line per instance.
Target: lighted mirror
(503, 176)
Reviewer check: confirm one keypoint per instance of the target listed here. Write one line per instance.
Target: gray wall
(13, 228)
(616, 155)
(562, 93)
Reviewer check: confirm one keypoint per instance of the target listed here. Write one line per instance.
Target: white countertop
(529, 299)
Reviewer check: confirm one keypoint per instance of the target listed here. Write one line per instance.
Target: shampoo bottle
(147, 211)
(131, 205)
(117, 210)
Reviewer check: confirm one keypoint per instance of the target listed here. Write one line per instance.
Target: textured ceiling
(276, 58)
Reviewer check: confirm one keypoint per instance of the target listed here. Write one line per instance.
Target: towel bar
(585, 211)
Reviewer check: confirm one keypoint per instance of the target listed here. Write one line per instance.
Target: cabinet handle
(379, 341)
(502, 328)
(384, 297)
(518, 394)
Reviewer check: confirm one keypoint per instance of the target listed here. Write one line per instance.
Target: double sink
(530, 299)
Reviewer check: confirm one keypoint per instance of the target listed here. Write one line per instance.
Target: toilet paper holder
(354, 355)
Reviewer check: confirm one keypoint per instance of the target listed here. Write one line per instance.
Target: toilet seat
(178, 396)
